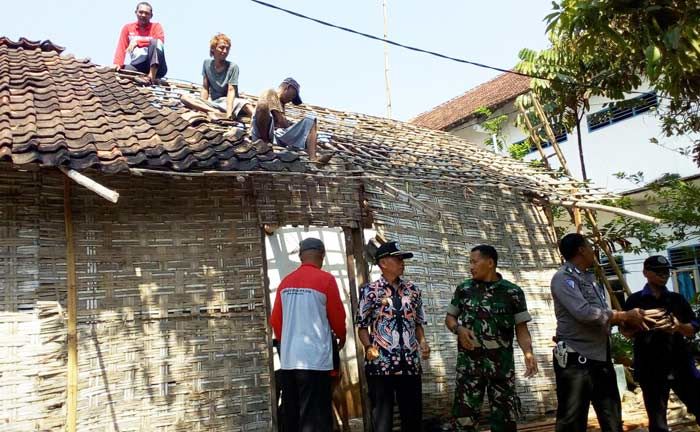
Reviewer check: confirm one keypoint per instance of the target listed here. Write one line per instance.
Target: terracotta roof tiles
(491, 94)
(58, 110)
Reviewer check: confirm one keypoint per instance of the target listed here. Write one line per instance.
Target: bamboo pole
(72, 312)
(608, 252)
(609, 209)
(550, 133)
(91, 184)
(391, 190)
(588, 207)
(352, 255)
(345, 175)
(534, 137)
(600, 274)
(560, 155)
(386, 60)
(268, 331)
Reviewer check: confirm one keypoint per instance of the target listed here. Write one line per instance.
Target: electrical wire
(433, 53)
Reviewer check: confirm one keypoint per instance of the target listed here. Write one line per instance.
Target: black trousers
(655, 393)
(306, 401)
(409, 394)
(154, 57)
(579, 385)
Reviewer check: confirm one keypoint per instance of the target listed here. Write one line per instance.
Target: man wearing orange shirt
(306, 316)
(143, 42)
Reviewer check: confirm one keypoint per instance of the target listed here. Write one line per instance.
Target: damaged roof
(58, 110)
(491, 94)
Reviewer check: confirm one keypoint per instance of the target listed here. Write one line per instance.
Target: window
(686, 279)
(559, 134)
(622, 110)
(685, 256)
(608, 269)
(615, 283)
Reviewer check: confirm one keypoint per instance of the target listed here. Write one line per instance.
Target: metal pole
(386, 62)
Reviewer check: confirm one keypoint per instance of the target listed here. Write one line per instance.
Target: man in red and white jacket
(144, 42)
(306, 316)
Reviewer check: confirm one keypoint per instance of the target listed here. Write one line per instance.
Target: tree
(609, 48)
(669, 198)
(567, 77)
(658, 40)
(493, 126)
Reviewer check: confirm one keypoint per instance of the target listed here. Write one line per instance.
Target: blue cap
(311, 244)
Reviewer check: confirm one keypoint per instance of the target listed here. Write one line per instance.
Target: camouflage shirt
(491, 310)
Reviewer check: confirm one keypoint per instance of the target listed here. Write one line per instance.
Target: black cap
(657, 262)
(311, 244)
(292, 82)
(390, 249)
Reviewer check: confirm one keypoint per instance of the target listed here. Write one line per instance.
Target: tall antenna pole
(386, 63)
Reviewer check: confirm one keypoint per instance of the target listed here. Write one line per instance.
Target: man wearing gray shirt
(582, 366)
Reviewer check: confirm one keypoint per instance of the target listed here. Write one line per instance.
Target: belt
(575, 358)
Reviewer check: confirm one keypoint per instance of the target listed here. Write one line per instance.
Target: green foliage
(559, 70)
(669, 198)
(493, 126)
(519, 150)
(655, 39)
(679, 203)
(621, 349)
(636, 178)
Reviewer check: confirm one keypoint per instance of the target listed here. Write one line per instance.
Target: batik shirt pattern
(391, 315)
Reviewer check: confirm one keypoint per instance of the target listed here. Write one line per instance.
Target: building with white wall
(614, 140)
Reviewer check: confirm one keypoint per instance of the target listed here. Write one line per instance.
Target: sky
(335, 69)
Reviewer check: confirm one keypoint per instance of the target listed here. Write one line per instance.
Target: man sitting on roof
(270, 124)
(219, 83)
(143, 42)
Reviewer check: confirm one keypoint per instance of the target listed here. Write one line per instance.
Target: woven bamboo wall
(32, 242)
(19, 240)
(171, 307)
(526, 256)
(171, 297)
(172, 318)
(33, 369)
(304, 201)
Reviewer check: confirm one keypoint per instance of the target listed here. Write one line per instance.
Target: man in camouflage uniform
(485, 313)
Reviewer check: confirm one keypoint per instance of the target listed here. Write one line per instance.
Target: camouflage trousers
(469, 396)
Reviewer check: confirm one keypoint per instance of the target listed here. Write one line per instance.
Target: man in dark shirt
(662, 359)
(390, 320)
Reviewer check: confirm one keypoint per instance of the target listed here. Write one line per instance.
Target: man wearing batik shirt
(390, 321)
(485, 313)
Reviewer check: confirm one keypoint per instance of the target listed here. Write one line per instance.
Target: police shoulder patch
(571, 283)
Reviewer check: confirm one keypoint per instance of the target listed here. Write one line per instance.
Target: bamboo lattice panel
(526, 257)
(33, 369)
(307, 201)
(19, 240)
(171, 307)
